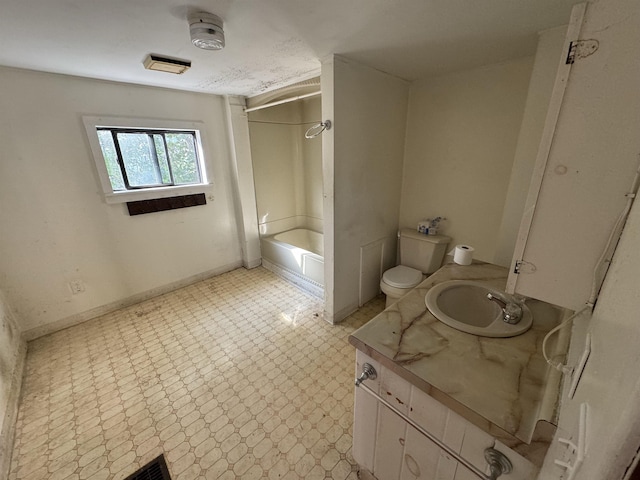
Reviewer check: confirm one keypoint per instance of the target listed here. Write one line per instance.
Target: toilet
(420, 255)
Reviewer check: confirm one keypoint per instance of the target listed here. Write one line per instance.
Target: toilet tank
(422, 252)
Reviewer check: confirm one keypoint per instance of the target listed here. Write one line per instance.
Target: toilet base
(393, 294)
(390, 300)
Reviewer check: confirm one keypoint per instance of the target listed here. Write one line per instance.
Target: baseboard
(252, 264)
(7, 435)
(79, 318)
(342, 314)
(364, 474)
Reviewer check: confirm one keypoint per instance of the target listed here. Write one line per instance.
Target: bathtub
(297, 255)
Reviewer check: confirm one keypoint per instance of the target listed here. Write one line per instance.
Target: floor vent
(156, 469)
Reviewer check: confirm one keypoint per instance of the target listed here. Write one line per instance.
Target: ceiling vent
(164, 64)
(206, 31)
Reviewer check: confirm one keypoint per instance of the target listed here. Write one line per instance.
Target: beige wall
(362, 170)
(462, 131)
(56, 225)
(287, 167)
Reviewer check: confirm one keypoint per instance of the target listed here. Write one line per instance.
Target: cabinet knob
(367, 372)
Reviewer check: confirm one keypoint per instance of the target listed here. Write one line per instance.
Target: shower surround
(287, 167)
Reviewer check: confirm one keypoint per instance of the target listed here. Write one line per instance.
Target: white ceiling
(270, 43)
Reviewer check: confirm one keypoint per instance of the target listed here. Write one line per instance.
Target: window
(141, 159)
(149, 158)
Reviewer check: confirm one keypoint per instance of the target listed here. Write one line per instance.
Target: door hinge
(522, 266)
(581, 49)
(516, 269)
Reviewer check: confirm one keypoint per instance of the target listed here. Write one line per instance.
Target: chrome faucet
(511, 311)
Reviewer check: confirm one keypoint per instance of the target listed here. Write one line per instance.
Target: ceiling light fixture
(166, 64)
(206, 31)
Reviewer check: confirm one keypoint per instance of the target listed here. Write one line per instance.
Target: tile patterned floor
(237, 376)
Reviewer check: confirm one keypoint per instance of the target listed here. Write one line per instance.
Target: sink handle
(499, 301)
(367, 372)
(511, 311)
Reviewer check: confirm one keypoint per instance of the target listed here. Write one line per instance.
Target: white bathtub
(298, 252)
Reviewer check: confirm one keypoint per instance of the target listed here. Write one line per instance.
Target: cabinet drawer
(395, 390)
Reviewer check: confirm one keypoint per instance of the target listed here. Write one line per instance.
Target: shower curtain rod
(280, 102)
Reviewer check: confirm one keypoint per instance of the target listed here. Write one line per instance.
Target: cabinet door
(365, 422)
(423, 459)
(390, 442)
(364, 429)
(585, 166)
(464, 474)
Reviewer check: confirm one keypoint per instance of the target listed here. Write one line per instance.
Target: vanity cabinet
(389, 448)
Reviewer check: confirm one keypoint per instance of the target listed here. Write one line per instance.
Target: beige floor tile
(237, 376)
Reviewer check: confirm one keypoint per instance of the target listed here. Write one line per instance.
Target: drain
(156, 469)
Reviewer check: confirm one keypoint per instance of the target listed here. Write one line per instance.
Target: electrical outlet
(76, 286)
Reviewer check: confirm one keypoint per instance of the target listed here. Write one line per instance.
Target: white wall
(56, 225)
(13, 351)
(462, 132)
(362, 173)
(287, 167)
(610, 384)
(242, 174)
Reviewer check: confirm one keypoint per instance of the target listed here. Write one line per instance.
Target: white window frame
(117, 196)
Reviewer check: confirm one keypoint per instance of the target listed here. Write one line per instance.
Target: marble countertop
(503, 385)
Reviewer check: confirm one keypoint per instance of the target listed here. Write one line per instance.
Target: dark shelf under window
(161, 204)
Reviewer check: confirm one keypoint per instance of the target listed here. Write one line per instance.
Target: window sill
(153, 193)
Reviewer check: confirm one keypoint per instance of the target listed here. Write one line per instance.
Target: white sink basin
(463, 305)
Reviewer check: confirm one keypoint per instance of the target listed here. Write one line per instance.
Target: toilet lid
(402, 277)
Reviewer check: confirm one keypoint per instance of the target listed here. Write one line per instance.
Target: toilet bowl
(398, 281)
